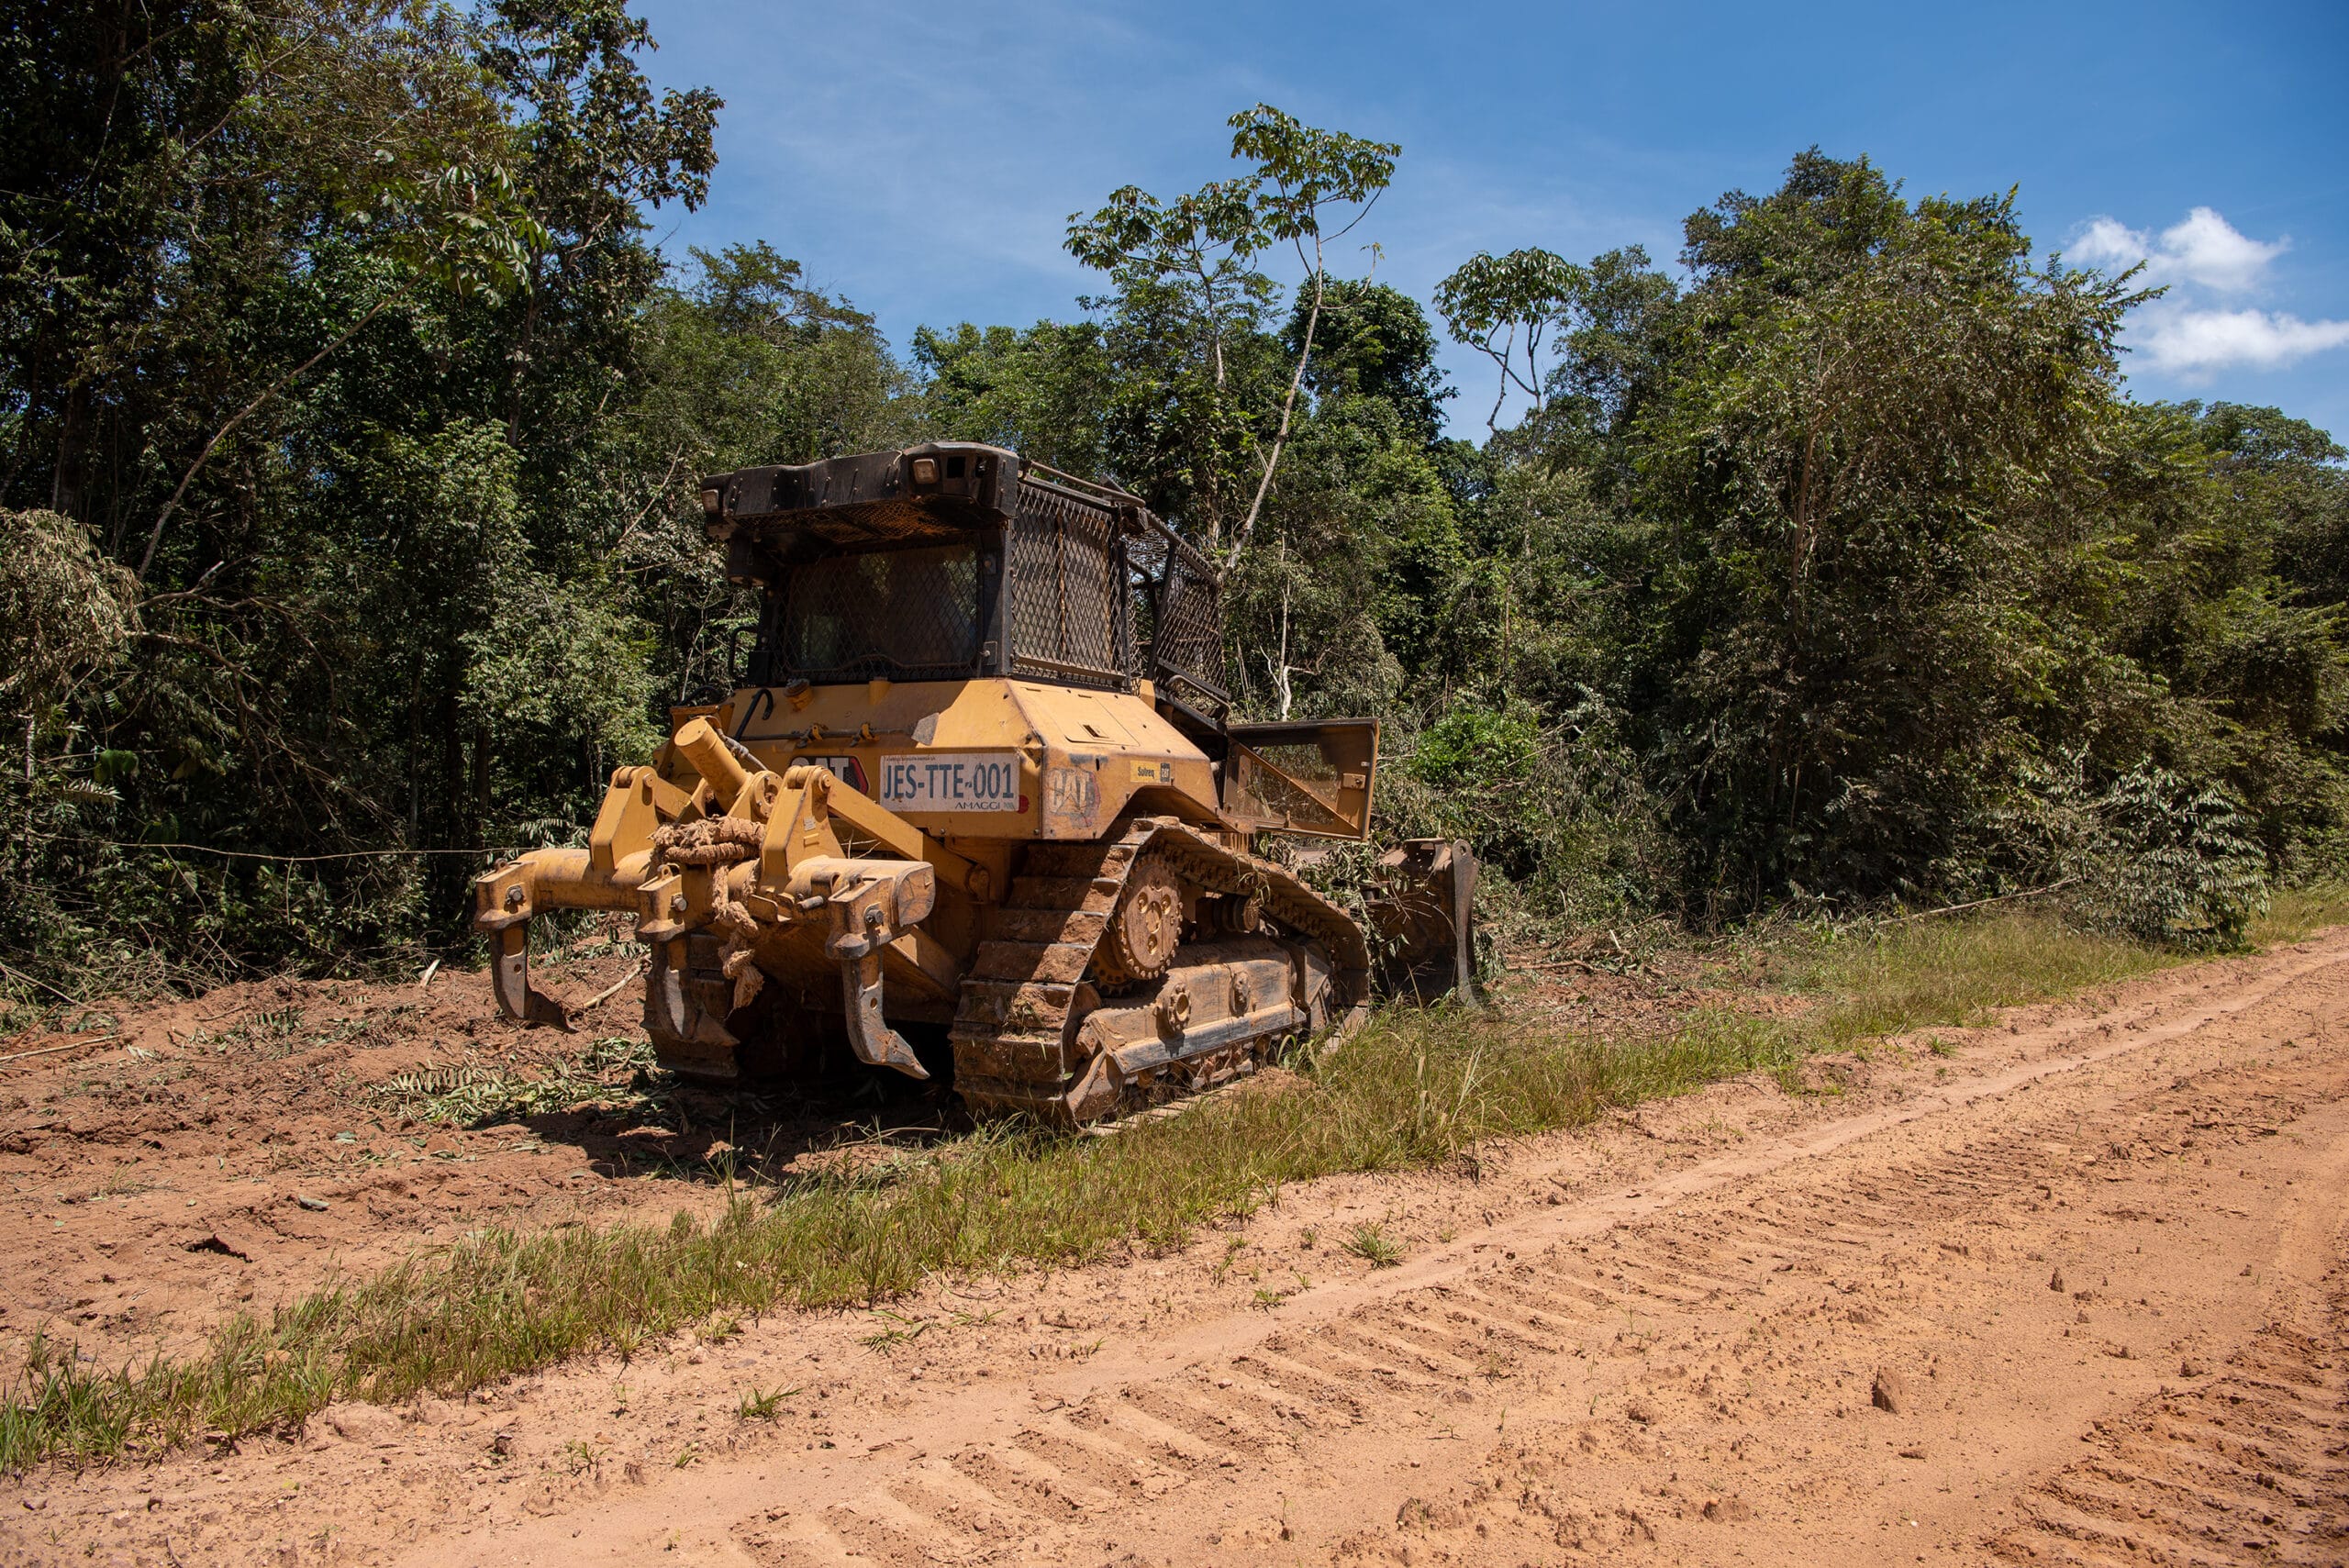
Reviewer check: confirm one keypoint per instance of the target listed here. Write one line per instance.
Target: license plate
(966, 781)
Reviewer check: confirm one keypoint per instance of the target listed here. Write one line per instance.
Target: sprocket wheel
(1140, 943)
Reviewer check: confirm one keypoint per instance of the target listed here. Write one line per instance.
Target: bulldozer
(975, 804)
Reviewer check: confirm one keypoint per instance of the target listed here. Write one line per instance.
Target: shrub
(2171, 861)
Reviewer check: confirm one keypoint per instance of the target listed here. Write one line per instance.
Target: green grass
(1370, 1244)
(1417, 1089)
(2297, 911)
(1954, 973)
(1957, 973)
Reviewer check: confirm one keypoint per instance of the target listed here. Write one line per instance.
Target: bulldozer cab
(960, 562)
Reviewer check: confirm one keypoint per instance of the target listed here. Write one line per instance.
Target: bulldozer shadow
(660, 1125)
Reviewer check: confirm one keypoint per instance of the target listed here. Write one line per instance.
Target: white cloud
(2207, 248)
(2204, 249)
(2189, 341)
(2108, 243)
(2187, 333)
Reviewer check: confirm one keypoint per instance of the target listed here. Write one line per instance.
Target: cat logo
(848, 769)
(1155, 773)
(1070, 792)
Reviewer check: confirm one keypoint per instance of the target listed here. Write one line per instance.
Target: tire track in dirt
(2249, 1463)
(1744, 1321)
(1651, 1345)
(2248, 1467)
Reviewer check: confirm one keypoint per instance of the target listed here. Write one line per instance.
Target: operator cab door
(1302, 778)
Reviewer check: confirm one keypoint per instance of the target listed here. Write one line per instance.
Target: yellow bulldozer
(977, 783)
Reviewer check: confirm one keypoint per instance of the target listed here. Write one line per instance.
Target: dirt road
(2067, 1289)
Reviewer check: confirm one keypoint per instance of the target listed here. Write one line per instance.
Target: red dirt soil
(2074, 1292)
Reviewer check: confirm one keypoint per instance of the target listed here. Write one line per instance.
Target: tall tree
(1509, 307)
(323, 317)
(1193, 259)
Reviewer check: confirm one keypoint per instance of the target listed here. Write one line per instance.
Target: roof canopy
(927, 494)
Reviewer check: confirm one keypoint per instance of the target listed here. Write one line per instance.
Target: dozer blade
(1424, 916)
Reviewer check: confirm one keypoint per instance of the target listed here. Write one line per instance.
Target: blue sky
(923, 158)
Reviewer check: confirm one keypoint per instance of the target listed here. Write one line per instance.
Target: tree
(1504, 307)
(1858, 479)
(327, 319)
(743, 365)
(1038, 390)
(1374, 342)
(1193, 257)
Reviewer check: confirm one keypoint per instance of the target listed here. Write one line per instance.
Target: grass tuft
(763, 1406)
(1369, 1243)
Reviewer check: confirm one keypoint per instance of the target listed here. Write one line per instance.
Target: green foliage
(1373, 342)
(2176, 862)
(1860, 533)
(1476, 748)
(64, 607)
(353, 433)
(1185, 272)
(356, 356)
(1488, 778)
(1038, 391)
(2151, 856)
(1504, 307)
(1849, 472)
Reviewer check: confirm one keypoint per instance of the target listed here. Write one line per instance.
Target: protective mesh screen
(900, 614)
(1178, 601)
(1068, 619)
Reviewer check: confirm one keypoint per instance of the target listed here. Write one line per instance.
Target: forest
(350, 427)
